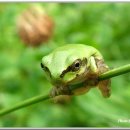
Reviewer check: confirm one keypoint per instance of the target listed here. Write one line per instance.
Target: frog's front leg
(98, 67)
(104, 86)
(60, 90)
(93, 73)
(60, 94)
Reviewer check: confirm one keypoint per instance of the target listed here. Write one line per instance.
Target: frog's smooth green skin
(72, 64)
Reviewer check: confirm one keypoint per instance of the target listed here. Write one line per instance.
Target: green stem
(115, 72)
(25, 103)
(109, 74)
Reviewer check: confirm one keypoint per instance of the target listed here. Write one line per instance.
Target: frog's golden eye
(76, 65)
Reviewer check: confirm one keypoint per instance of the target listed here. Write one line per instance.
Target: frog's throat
(75, 86)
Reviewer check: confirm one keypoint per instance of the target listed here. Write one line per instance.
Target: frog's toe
(104, 87)
(53, 92)
(62, 90)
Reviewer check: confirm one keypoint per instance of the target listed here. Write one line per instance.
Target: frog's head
(65, 66)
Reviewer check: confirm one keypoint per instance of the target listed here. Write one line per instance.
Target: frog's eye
(76, 65)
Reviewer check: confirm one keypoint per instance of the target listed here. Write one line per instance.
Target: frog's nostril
(42, 66)
(62, 75)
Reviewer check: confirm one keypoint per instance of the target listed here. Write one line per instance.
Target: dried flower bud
(35, 26)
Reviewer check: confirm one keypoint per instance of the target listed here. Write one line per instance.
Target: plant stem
(25, 103)
(109, 74)
(115, 72)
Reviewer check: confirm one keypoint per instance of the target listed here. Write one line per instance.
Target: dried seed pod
(35, 26)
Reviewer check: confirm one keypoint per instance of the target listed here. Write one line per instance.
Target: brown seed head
(34, 26)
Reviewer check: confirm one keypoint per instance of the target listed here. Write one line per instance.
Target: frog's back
(74, 47)
(78, 49)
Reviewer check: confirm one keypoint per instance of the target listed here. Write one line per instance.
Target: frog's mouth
(79, 79)
(86, 78)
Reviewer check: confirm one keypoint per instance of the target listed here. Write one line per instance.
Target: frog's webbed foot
(104, 86)
(60, 90)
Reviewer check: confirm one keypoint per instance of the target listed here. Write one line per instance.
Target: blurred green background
(102, 25)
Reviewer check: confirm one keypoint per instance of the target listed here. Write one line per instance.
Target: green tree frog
(73, 64)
